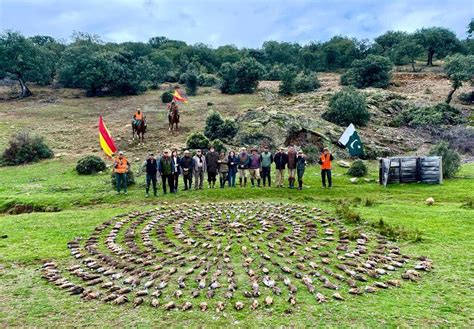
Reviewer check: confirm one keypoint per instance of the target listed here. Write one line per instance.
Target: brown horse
(139, 127)
(173, 118)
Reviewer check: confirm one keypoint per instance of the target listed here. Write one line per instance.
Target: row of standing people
(226, 167)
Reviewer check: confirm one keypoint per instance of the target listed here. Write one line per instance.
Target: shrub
(440, 114)
(166, 97)
(311, 152)
(306, 82)
(191, 82)
(217, 127)
(90, 164)
(130, 179)
(467, 98)
(346, 213)
(229, 129)
(347, 106)
(397, 232)
(197, 141)
(451, 159)
(357, 169)
(287, 85)
(218, 146)
(372, 71)
(459, 137)
(240, 77)
(24, 148)
(276, 72)
(207, 80)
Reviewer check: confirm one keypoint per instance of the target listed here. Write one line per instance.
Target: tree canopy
(98, 67)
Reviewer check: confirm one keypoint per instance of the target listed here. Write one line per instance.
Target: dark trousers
(231, 177)
(211, 176)
(150, 179)
(121, 181)
(175, 182)
(167, 179)
(266, 175)
(188, 180)
(326, 173)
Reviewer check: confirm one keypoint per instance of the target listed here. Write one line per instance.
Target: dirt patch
(304, 137)
(17, 209)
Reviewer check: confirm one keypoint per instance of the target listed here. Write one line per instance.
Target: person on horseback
(173, 115)
(138, 117)
(173, 107)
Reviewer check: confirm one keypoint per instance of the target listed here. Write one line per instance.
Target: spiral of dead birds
(213, 257)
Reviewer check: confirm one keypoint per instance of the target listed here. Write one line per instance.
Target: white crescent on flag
(344, 139)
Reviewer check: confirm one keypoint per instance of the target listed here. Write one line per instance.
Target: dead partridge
(169, 306)
(220, 307)
(186, 306)
(239, 305)
(155, 302)
(254, 304)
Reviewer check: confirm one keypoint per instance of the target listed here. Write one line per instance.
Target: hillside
(68, 120)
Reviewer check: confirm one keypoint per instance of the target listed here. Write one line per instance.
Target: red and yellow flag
(105, 139)
(177, 97)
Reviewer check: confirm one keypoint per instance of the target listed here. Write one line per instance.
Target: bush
(460, 137)
(397, 232)
(347, 214)
(287, 85)
(372, 71)
(197, 141)
(306, 82)
(218, 146)
(357, 169)
(207, 80)
(311, 152)
(451, 159)
(166, 97)
(347, 106)
(217, 127)
(467, 98)
(440, 114)
(191, 82)
(24, 148)
(229, 129)
(91, 164)
(240, 77)
(130, 179)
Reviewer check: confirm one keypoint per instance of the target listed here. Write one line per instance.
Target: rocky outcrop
(272, 127)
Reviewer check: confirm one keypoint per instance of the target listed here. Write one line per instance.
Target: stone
(430, 201)
(354, 180)
(367, 180)
(343, 164)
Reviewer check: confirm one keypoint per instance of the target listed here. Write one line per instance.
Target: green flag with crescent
(351, 140)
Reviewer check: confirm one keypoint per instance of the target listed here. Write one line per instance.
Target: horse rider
(137, 117)
(173, 106)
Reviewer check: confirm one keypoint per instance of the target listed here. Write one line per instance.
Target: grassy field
(443, 297)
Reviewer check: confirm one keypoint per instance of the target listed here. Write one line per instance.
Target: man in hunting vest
(121, 168)
(137, 117)
(326, 166)
(166, 168)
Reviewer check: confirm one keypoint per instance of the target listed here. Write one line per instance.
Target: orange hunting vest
(325, 161)
(122, 165)
(138, 116)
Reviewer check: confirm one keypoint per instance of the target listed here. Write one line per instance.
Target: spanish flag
(177, 97)
(105, 139)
